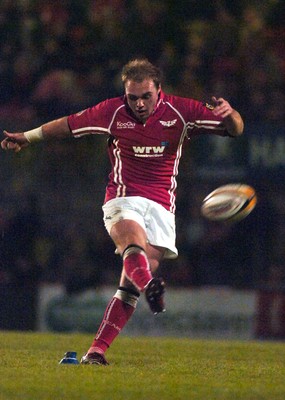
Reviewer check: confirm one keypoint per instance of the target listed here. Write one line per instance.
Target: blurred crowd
(58, 57)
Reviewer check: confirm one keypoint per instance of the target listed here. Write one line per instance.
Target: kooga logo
(149, 151)
(125, 125)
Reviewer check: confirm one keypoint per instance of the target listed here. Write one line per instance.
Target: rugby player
(146, 130)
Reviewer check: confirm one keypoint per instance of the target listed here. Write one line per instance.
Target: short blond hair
(140, 69)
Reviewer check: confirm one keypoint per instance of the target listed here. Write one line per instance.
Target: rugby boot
(154, 294)
(94, 358)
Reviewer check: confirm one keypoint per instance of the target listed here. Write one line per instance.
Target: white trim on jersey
(173, 186)
(114, 115)
(87, 130)
(90, 129)
(207, 124)
(118, 178)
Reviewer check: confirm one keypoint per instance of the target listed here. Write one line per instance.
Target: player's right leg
(140, 261)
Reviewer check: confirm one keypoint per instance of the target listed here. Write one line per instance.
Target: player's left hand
(222, 107)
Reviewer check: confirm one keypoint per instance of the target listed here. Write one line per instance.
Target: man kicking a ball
(146, 131)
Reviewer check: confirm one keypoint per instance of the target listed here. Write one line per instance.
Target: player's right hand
(14, 141)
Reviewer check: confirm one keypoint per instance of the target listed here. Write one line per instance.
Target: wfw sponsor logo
(148, 151)
(125, 125)
(168, 123)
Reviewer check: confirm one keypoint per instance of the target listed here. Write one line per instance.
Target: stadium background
(59, 57)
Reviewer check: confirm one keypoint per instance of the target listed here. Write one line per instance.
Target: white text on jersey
(125, 125)
(148, 151)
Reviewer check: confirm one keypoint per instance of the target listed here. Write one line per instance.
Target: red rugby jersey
(145, 157)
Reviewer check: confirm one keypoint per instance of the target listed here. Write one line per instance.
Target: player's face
(142, 98)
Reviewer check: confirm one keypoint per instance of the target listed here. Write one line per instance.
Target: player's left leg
(117, 314)
(122, 306)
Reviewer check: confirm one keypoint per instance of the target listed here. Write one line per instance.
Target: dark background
(57, 58)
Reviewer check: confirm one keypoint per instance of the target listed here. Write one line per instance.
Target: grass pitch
(141, 369)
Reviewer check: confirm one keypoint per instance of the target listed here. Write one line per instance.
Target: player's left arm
(231, 118)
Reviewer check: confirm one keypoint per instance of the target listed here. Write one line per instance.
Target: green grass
(141, 369)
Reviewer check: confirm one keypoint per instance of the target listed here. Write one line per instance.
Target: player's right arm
(57, 129)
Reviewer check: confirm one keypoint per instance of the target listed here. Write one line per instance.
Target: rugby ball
(231, 202)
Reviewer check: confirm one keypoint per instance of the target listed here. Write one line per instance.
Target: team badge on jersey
(168, 123)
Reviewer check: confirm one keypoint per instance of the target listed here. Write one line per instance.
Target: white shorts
(158, 222)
